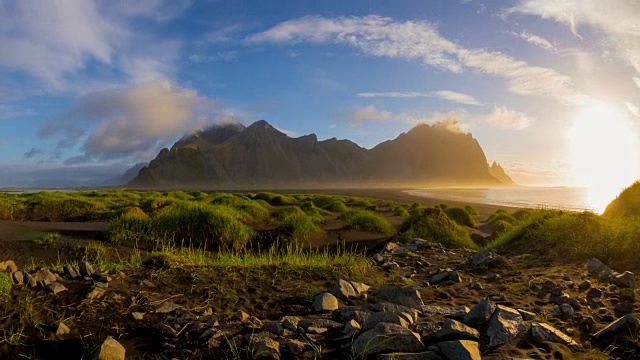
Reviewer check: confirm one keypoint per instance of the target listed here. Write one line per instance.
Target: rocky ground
(423, 302)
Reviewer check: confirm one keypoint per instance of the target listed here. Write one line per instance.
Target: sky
(89, 88)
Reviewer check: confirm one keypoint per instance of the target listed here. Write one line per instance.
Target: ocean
(565, 198)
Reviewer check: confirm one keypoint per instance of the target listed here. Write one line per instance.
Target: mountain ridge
(259, 155)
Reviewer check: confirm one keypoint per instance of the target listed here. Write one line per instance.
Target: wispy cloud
(11, 112)
(86, 32)
(133, 122)
(420, 40)
(33, 152)
(370, 113)
(637, 81)
(505, 118)
(633, 109)
(534, 40)
(617, 20)
(444, 94)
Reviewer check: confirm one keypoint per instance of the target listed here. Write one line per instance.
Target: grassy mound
(433, 224)
(329, 203)
(400, 211)
(501, 215)
(460, 216)
(625, 204)
(366, 220)
(251, 210)
(300, 227)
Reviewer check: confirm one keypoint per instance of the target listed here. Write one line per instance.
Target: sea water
(565, 198)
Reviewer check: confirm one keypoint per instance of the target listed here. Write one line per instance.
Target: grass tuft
(366, 220)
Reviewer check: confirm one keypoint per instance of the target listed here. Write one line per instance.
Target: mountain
(258, 156)
(126, 177)
(498, 172)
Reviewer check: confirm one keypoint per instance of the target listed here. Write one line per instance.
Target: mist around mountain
(127, 177)
(259, 156)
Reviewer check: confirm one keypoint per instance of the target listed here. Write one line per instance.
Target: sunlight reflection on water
(565, 198)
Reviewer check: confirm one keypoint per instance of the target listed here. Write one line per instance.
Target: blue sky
(96, 86)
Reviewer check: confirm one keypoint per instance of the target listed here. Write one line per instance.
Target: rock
(18, 277)
(70, 271)
(480, 314)
(427, 355)
(455, 330)
(110, 350)
(343, 290)
(30, 281)
(85, 268)
(406, 296)
(167, 307)
(386, 337)
(359, 287)
(290, 322)
(264, 346)
(504, 326)
(295, 347)
(526, 315)
(137, 315)
(623, 324)
(454, 312)
(378, 258)
(408, 313)
(62, 330)
(325, 302)
(346, 314)
(585, 285)
(56, 287)
(567, 310)
(475, 285)
(596, 268)
(45, 276)
(351, 327)
(594, 293)
(383, 317)
(460, 350)
(623, 308)
(446, 275)
(486, 258)
(274, 327)
(625, 280)
(555, 311)
(8, 266)
(319, 323)
(390, 265)
(541, 333)
(96, 293)
(389, 247)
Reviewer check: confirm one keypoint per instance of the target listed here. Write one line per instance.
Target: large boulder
(325, 302)
(623, 324)
(384, 317)
(455, 330)
(407, 296)
(596, 268)
(343, 290)
(625, 280)
(504, 326)
(480, 314)
(386, 337)
(542, 333)
(460, 350)
(110, 350)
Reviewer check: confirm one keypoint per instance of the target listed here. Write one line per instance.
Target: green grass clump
(329, 203)
(522, 214)
(460, 216)
(519, 229)
(627, 203)
(130, 229)
(501, 215)
(400, 211)
(285, 211)
(434, 225)
(472, 210)
(47, 240)
(316, 213)
(300, 227)
(251, 210)
(275, 199)
(5, 283)
(366, 220)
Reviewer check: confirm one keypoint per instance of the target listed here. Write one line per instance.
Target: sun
(603, 150)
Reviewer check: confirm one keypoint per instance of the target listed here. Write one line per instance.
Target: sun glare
(603, 151)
